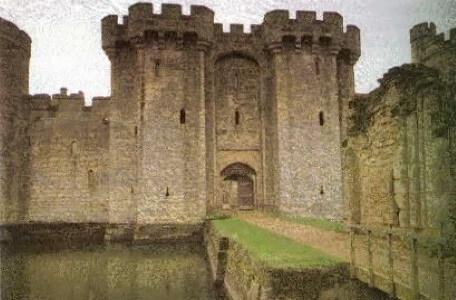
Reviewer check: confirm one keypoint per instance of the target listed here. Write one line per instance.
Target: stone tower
(14, 88)
(433, 50)
(157, 145)
(311, 83)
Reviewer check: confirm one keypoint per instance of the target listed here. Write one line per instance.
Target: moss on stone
(410, 79)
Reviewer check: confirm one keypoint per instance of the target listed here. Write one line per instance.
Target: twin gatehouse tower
(227, 119)
(199, 120)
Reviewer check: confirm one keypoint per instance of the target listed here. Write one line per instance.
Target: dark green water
(171, 272)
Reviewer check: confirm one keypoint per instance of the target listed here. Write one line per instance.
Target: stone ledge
(58, 235)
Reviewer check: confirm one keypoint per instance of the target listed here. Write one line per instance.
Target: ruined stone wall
(14, 70)
(439, 52)
(68, 159)
(401, 187)
(399, 178)
(403, 263)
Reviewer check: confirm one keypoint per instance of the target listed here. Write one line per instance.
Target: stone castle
(201, 120)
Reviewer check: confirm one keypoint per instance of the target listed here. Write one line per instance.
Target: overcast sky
(66, 49)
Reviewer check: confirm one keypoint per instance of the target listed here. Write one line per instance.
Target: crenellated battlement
(57, 101)
(427, 43)
(143, 25)
(65, 102)
(307, 31)
(282, 18)
(11, 33)
(422, 30)
(238, 30)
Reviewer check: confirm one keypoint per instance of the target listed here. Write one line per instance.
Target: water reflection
(113, 272)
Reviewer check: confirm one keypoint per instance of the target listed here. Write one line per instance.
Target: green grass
(272, 249)
(323, 224)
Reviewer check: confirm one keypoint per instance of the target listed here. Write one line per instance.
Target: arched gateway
(239, 186)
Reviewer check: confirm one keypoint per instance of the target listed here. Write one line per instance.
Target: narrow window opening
(322, 191)
(182, 116)
(167, 192)
(236, 83)
(136, 130)
(317, 66)
(321, 116)
(157, 67)
(91, 180)
(74, 148)
(237, 117)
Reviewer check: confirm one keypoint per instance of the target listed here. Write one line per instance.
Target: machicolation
(143, 26)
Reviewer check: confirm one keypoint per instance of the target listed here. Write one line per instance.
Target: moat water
(156, 272)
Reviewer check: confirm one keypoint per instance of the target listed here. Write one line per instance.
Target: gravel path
(333, 243)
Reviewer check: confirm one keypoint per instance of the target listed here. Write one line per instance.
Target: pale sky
(66, 49)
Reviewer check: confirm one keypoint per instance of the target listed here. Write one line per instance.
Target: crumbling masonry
(399, 174)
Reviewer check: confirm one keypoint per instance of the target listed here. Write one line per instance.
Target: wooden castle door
(245, 192)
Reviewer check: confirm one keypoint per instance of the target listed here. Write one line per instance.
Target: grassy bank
(272, 249)
(317, 223)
